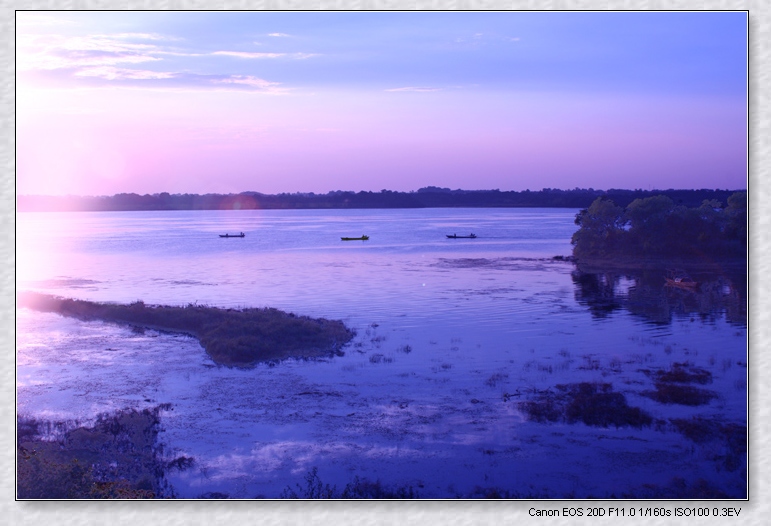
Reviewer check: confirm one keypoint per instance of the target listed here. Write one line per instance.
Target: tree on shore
(656, 226)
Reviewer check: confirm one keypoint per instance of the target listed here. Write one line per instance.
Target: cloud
(112, 73)
(278, 35)
(107, 59)
(56, 52)
(247, 54)
(302, 56)
(414, 88)
(254, 83)
(250, 54)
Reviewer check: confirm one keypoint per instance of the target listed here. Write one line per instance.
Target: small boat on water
(680, 280)
(233, 235)
(456, 236)
(362, 238)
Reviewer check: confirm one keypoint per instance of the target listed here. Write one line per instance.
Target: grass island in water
(232, 337)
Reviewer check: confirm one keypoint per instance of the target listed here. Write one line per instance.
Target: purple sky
(148, 102)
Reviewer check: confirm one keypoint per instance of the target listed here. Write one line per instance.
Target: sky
(225, 102)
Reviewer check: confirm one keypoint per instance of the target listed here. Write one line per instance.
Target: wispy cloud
(249, 54)
(256, 55)
(57, 52)
(108, 58)
(254, 83)
(278, 35)
(113, 73)
(414, 88)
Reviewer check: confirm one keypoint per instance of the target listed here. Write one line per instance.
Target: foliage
(656, 226)
(116, 458)
(231, 336)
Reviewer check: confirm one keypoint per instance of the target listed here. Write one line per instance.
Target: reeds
(232, 337)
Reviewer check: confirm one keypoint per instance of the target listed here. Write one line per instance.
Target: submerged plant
(670, 393)
(594, 404)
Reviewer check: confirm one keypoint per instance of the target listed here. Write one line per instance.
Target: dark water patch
(189, 282)
(496, 378)
(503, 263)
(680, 488)
(66, 283)
(702, 430)
(727, 442)
(594, 404)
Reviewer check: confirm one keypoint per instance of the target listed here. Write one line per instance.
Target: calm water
(452, 336)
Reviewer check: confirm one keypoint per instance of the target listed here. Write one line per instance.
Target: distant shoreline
(430, 197)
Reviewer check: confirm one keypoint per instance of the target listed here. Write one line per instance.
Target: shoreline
(632, 263)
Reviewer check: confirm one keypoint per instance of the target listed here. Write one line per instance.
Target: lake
(477, 370)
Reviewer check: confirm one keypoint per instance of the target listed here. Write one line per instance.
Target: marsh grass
(232, 337)
(672, 385)
(594, 404)
(682, 373)
(116, 458)
(667, 393)
(359, 488)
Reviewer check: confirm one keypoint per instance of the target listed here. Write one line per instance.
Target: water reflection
(645, 293)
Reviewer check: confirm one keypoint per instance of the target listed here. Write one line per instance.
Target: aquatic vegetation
(117, 457)
(594, 404)
(670, 393)
(671, 388)
(359, 488)
(233, 337)
(683, 373)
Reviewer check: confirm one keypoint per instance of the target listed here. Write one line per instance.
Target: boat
(680, 280)
(362, 238)
(456, 236)
(233, 235)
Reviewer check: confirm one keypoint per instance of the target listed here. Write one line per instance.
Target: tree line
(428, 197)
(658, 226)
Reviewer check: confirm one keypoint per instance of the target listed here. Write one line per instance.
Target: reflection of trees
(597, 291)
(648, 296)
